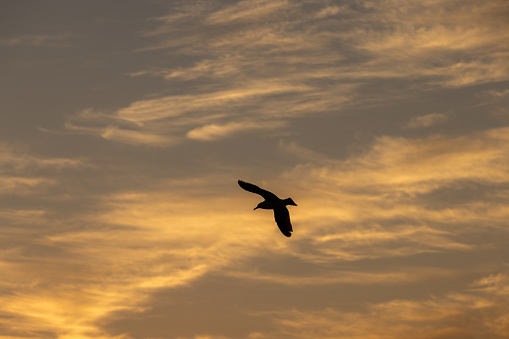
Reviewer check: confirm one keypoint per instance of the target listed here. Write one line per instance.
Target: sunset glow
(125, 126)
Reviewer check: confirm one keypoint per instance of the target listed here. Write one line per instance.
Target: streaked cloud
(345, 277)
(424, 40)
(209, 116)
(389, 195)
(171, 106)
(16, 158)
(455, 315)
(426, 120)
(247, 11)
(18, 216)
(421, 165)
(127, 222)
(70, 275)
(329, 11)
(213, 131)
(354, 211)
(496, 93)
(37, 40)
(22, 172)
(114, 133)
(359, 209)
(287, 60)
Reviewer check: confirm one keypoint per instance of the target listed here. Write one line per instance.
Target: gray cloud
(37, 40)
(426, 120)
(292, 60)
(23, 173)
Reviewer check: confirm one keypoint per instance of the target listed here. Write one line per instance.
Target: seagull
(272, 202)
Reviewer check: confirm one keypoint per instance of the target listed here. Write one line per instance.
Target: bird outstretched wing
(255, 189)
(282, 217)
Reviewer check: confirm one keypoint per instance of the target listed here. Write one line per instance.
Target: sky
(125, 125)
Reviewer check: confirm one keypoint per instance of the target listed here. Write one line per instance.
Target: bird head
(257, 206)
(289, 201)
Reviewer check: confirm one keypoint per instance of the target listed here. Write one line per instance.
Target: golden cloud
(364, 207)
(314, 59)
(456, 315)
(213, 131)
(377, 203)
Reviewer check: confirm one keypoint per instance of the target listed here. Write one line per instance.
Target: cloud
(19, 216)
(114, 133)
(209, 116)
(496, 93)
(302, 152)
(213, 131)
(426, 120)
(329, 11)
(37, 40)
(20, 185)
(143, 111)
(390, 217)
(22, 172)
(278, 59)
(496, 284)
(152, 136)
(247, 10)
(354, 214)
(419, 165)
(344, 277)
(422, 40)
(455, 315)
(70, 279)
(12, 158)
(401, 196)
(394, 38)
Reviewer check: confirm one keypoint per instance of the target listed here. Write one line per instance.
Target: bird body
(272, 202)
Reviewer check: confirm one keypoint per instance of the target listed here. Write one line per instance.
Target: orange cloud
(456, 315)
(364, 207)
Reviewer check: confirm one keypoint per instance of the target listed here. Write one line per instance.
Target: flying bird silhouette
(272, 202)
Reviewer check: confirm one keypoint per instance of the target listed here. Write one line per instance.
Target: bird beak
(255, 208)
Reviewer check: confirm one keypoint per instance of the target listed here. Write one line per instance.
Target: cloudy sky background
(125, 125)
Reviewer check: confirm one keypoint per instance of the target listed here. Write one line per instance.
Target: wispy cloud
(213, 131)
(22, 172)
(388, 222)
(372, 206)
(114, 259)
(406, 196)
(496, 93)
(417, 165)
(37, 40)
(278, 58)
(455, 315)
(345, 276)
(247, 10)
(204, 104)
(16, 158)
(208, 116)
(114, 133)
(426, 120)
